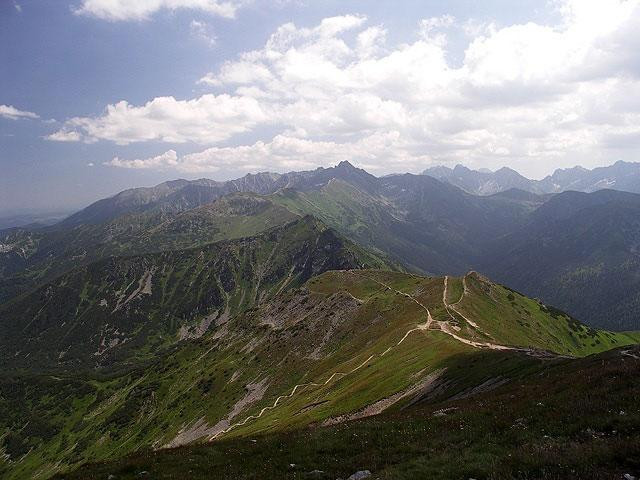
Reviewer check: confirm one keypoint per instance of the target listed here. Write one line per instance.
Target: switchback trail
(300, 386)
(441, 326)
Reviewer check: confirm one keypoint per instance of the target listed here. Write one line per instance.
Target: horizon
(216, 89)
(6, 214)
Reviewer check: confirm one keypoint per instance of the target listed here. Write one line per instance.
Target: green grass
(333, 323)
(571, 419)
(514, 319)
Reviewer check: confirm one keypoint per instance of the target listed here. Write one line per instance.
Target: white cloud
(431, 28)
(201, 31)
(207, 119)
(530, 95)
(427, 25)
(167, 159)
(12, 113)
(371, 41)
(18, 7)
(119, 10)
(64, 136)
(286, 152)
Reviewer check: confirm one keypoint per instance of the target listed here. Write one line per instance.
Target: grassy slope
(373, 221)
(518, 320)
(573, 419)
(40, 256)
(426, 225)
(340, 321)
(359, 215)
(123, 306)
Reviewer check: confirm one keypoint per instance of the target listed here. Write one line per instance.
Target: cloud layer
(122, 10)
(521, 93)
(207, 119)
(12, 113)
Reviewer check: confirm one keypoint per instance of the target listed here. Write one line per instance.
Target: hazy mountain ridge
(423, 223)
(180, 195)
(121, 307)
(580, 252)
(378, 206)
(417, 221)
(623, 176)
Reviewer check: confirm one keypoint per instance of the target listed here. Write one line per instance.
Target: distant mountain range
(623, 176)
(36, 219)
(415, 221)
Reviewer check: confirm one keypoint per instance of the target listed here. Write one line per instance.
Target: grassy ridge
(518, 320)
(121, 307)
(361, 324)
(34, 257)
(574, 419)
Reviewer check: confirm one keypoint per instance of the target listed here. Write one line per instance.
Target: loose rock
(359, 475)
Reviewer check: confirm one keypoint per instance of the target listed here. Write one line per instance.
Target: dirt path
(452, 306)
(444, 327)
(293, 392)
(430, 324)
(300, 386)
(429, 317)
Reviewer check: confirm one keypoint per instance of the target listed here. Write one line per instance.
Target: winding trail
(452, 306)
(628, 353)
(430, 324)
(293, 392)
(296, 388)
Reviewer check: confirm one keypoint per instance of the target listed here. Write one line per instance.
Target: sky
(101, 95)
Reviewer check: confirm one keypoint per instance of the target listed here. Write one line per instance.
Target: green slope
(349, 344)
(29, 258)
(572, 419)
(512, 318)
(418, 221)
(123, 306)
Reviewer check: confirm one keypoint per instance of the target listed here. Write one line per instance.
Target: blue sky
(97, 96)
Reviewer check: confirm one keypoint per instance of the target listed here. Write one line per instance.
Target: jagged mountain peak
(623, 176)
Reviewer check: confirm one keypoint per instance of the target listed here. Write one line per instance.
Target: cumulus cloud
(120, 10)
(287, 152)
(523, 94)
(12, 113)
(64, 136)
(207, 119)
(167, 159)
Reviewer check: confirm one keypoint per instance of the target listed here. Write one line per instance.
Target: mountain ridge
(417, 221)
(343, 343)
(119, 307)
(622, 176)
